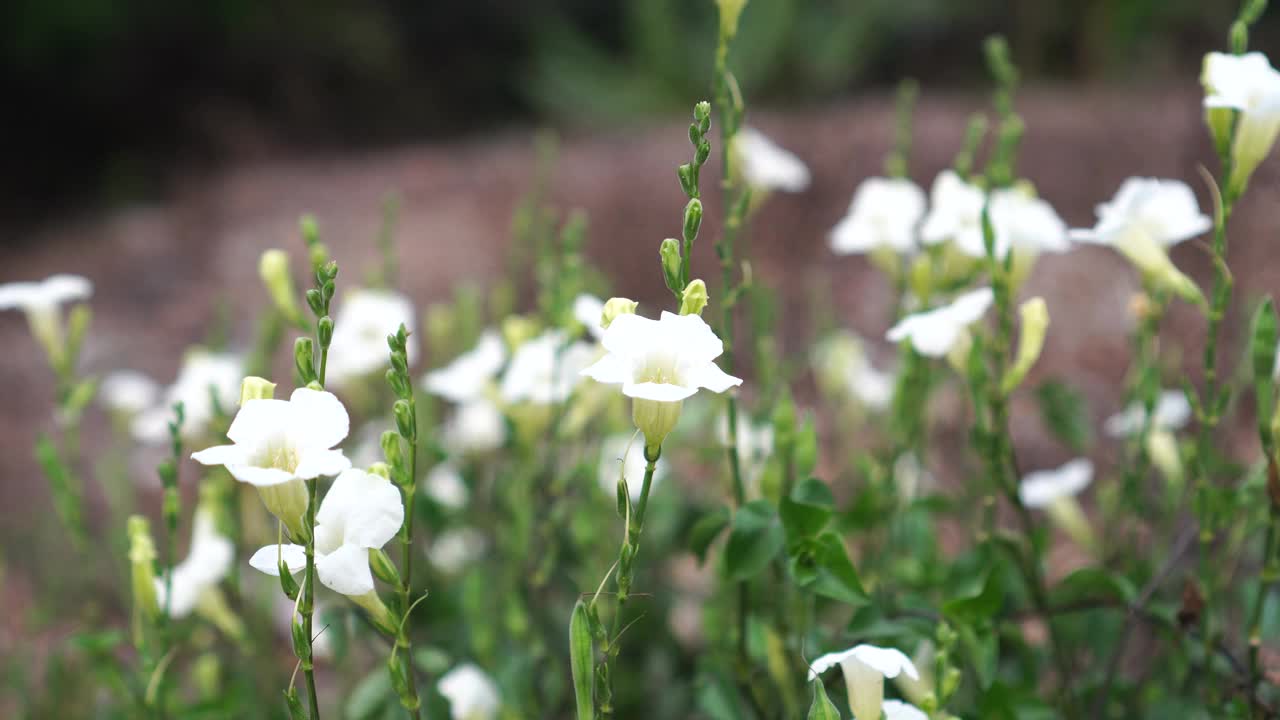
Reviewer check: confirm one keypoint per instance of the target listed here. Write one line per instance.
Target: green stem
(408, 491)
(308, 600)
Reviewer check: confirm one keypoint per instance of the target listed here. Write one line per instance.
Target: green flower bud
(273, 268)
(383, 568)
(399, 362)
(692, 220)
(614, 307)
(256, 388)
(382, 618)
(669, 253)
(288, 583)
(315, 301)
(391, 449)
(1035, 323)
(301, 643)
(304, 359)
(730, 11)
(399, 384)
(702, 115)
(405, 422)
(400, 682)
(694, 298)
(142, 557)
(688, 175)
(325, 331)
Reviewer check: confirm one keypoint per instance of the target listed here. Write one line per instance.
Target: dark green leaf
(1066, 413)
(756, 537)
(706, 530)
(807, 510)
(582, 661)
(1093, 584)
(980, 606)
(830, 573)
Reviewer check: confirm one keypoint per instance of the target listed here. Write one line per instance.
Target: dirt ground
(158, 269)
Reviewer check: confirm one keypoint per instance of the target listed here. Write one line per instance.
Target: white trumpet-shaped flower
(755, 447)
(365, 318)
(1146, 217)
(1172, 411)
(470, 373)
(128, 391)
(277, 444)
(865, 668)
(621, 455)
(843, 367)
(457, 548)
(1248, 85)
(898, 710)
(476, 427)
(1018, 219)
(934, 333)
(208, 561)
(546, 369)
(361, 512)
(765, 166)
(471, 693)
(589, 311)
(659, 364)
(205, 382)
(884, 213)
(42, 303)
(1055, 491)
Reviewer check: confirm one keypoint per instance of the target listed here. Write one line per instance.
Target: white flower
(456, 548)
(470, 373)
(546, 369)
(659, 363)
(128, 391)
(361, 512)
(444, 484)
(934, 333)
(755, 446)
(208, 561)
(884, 214)
(765, 166)
(1172, 411)
(365, 318)
(203, 377)
(898, 710)
(472, 694)
(1055, 492)
(279, 443)
(476, 427)
(620, 455)
(874, 388)
(865, 668)
(1146, 217)
(1040, 488)
(1018, 219)
(844, 367)
(1248, 84)
(42, 302)
(589, 310)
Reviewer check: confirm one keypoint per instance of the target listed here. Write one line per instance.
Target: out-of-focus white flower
(898, 710)
(884, 214)
(1249, 85)
(755, 446)
(208, 561)
(1146, 217)
(1055, 492)
(934, 333)
(361, 512)
(444, 484)
(843, 367)
(1172, 411)
(365, 318)
(472, 694)
(476, 427)
(128, 391)
(546, 369)
(623, 455)
(910, 476)
(659, 363)
(203, 377)
(456, 548)
(865, 668)
(42, 303)
(589, 310)
(470, 373)
(765, 166)
(1018, 219)
(279, 443)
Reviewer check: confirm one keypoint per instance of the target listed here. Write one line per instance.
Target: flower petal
(346, 570)
(610, 369)
(315, 463)
(267, 559)
(221, 455)
(711, 377)
(322, 421)
(661, 392)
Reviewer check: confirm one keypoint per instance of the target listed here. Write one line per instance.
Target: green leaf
(1093, 583)
(807, 510)
(706, 530)
(370, 695)
(983, 652)
(1066, 413)
(755, 538)
(980, 606)
(822, 707)
(830, 573)
(582, 661)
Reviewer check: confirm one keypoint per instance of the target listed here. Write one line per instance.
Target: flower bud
(1035, 323)
(296, 711)
(730, 11)
(399, 384)
(301, 643)
(688, 174)
(325, 331)
(614, 307)
(142, 557)
(378, 612)
(655, 418)
(304, 359)
(383, 568)
(405, 422)
(694, 298)
(273, 268)
(391, 449)
(256, 388)
(315, 301)
(669, 253)
(400, 671)
(519, 329)
(692, 220)
(288, 583)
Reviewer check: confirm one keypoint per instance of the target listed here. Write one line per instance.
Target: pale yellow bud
(1035, 323)
(256, 388)
(273, 268)
(694, 298)
(519, 329)
(614, 307)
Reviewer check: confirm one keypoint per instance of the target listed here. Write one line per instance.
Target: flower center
(279, 455)
(660, 369)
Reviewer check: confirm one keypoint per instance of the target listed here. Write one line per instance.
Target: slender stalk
(408, 491)
(307, 607)
(1268, 578)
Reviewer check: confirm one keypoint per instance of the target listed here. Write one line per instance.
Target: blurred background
(109, 100)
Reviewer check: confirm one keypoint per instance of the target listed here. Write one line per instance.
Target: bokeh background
(159, 147)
